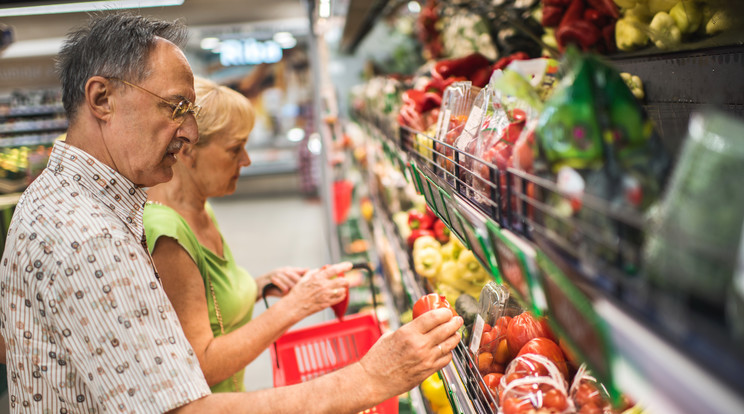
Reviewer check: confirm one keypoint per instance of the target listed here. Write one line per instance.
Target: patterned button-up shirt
(87, 325)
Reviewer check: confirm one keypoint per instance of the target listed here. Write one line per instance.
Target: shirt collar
(111, 188)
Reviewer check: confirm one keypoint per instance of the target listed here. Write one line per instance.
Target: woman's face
(218, 163)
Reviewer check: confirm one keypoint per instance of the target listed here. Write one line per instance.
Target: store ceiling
(193, 12)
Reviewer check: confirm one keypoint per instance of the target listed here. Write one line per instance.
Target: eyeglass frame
(190, 106)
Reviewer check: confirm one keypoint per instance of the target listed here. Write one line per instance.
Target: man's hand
(401, 360)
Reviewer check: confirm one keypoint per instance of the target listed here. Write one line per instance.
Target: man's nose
(188, 130)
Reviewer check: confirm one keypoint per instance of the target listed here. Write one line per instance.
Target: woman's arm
(223, 356)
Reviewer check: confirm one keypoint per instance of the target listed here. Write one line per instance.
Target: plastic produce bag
(531, 382)
(593, 124)
(456, 104)
(692, 249)
(589, 395)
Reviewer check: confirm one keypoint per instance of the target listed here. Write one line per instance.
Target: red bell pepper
(559, 3)
(580, 32)
(596, 18)
(422, 101)
(606, 7)
(438, 85)
(464, 66)
(552, 15)
(415, 234)
(574, 13)
(419, 220)
(441, 232)
(408, 116)
(506, 60)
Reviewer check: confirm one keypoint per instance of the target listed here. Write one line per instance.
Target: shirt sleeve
(162, 221)
(120, 331)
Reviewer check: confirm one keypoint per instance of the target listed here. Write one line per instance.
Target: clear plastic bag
(530, 393)
(589, 395)
(457, 102)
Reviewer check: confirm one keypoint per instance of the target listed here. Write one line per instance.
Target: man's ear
(99, 97)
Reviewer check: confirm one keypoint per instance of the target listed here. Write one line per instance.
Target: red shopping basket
(306, 353)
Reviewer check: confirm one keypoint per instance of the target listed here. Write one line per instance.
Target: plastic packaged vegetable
(456, 104)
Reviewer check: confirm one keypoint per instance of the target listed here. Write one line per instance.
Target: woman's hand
(319, 289)
(283, 278)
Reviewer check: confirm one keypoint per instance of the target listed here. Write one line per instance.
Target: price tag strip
(517, 261)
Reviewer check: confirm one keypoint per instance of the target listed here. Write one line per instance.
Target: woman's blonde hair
(223, 110)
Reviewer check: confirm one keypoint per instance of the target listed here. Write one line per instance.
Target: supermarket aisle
(269, 232)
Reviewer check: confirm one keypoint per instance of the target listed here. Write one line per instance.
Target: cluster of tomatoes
(527, 371)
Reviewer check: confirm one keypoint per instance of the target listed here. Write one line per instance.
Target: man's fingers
(434, 318)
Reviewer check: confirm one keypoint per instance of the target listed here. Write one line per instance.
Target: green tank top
(234, 287)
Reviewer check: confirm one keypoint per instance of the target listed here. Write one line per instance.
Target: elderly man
(86, 323)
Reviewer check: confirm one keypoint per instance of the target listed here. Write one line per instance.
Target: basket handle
(359, 266)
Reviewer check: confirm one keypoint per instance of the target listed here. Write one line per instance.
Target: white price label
(475, 336)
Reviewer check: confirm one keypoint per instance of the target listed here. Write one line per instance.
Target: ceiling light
(209, 43)
(414, 7)
(86, 6)
(31, 48)
(324, 8)
(296, 134)
(285, 40)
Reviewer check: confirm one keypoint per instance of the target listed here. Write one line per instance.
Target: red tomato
(492, 383)
(590, 409)
(516, 406)
(486, 339)
(587, 394)
(429, 302)
(521, 329)
(497, 368)
(555, 399)
(548, 349)
(501, 324)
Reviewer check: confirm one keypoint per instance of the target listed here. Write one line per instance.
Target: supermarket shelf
(450, 374)
(8, 200)
(636, 346)
(662, 378)
(682, 82)
(35, 110)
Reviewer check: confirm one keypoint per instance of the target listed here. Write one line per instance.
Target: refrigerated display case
(669, 352)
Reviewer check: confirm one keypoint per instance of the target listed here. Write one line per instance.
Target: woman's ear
(99, 98)
(188, 155)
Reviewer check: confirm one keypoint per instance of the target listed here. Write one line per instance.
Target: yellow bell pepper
(688, 15)
(628, 34)
(424, 242)
(656, 6)
(427, 261)
(433, 389)
(470, 269)
(451, 250)
(664, 31)
(719, 22)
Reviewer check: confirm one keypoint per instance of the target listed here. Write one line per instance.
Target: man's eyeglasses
(179, 110)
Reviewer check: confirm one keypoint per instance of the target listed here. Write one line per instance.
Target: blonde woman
(211, 294)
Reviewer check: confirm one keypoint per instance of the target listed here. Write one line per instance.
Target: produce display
(442, 259)
(668, 23)
(527, 369)
(565, 165)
